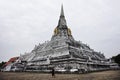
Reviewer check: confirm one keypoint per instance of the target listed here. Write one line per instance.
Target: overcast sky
(26, 23)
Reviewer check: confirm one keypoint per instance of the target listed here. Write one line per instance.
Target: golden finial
(69, 32)
(55, 31)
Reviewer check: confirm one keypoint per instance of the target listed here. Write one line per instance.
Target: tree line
(116, 59)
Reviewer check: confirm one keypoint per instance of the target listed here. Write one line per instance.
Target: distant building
(63, 53)
(8, 65)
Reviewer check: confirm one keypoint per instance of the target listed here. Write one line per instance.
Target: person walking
(53, 72)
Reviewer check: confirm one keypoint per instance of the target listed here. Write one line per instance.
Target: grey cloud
(24, 23)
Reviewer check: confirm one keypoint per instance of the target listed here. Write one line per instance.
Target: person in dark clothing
(53, 72)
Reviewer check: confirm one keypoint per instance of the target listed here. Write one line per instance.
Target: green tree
(2, 63)
(117, 59)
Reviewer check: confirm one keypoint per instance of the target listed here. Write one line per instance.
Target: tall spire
(62, 11)
(62, 30)
(62, 22)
